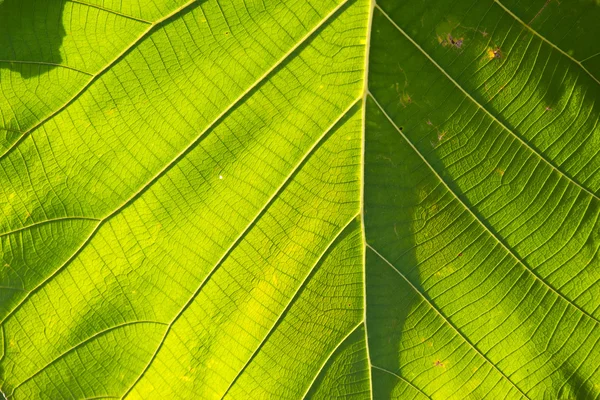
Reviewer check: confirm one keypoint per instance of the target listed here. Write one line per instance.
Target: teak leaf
(300, 199)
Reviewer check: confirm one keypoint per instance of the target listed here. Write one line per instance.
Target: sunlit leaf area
(289, 199)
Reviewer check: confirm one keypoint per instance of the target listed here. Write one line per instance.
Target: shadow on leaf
(31, 35)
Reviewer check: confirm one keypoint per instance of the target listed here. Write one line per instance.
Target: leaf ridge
(446, 319)
(483, 224)
(590, 57)
(102, 397)
(484, 109)
(365, 93)
(239, 238)
(4, 345)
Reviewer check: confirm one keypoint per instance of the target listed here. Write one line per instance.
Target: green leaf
(299, 199)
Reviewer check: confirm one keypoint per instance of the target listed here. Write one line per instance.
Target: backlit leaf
(299, 199)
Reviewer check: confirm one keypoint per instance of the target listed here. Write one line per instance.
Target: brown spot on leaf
(452, 41)
(495, 53)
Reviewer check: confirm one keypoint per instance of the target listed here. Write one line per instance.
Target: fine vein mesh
(349, 199)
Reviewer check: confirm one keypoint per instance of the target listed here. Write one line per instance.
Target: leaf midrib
(372, 4)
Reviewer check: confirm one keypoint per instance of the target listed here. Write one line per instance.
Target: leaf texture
(299, 199)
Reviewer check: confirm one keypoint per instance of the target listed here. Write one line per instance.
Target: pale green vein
(484, 109)
(46, 64)
(400, 378)
(48, 221)
(330, 355)
(291, 301)
(362, 186)
(239, 238)
(479, 220)
(590, 57)
(80, 344)
(183, 153)
(108, 10)
(96, 75)
(450, 324)
(536, 33)
(3, 341)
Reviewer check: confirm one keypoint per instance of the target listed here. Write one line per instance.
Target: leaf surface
(299, 199)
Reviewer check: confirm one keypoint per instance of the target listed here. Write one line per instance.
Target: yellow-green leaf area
(283, 199)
